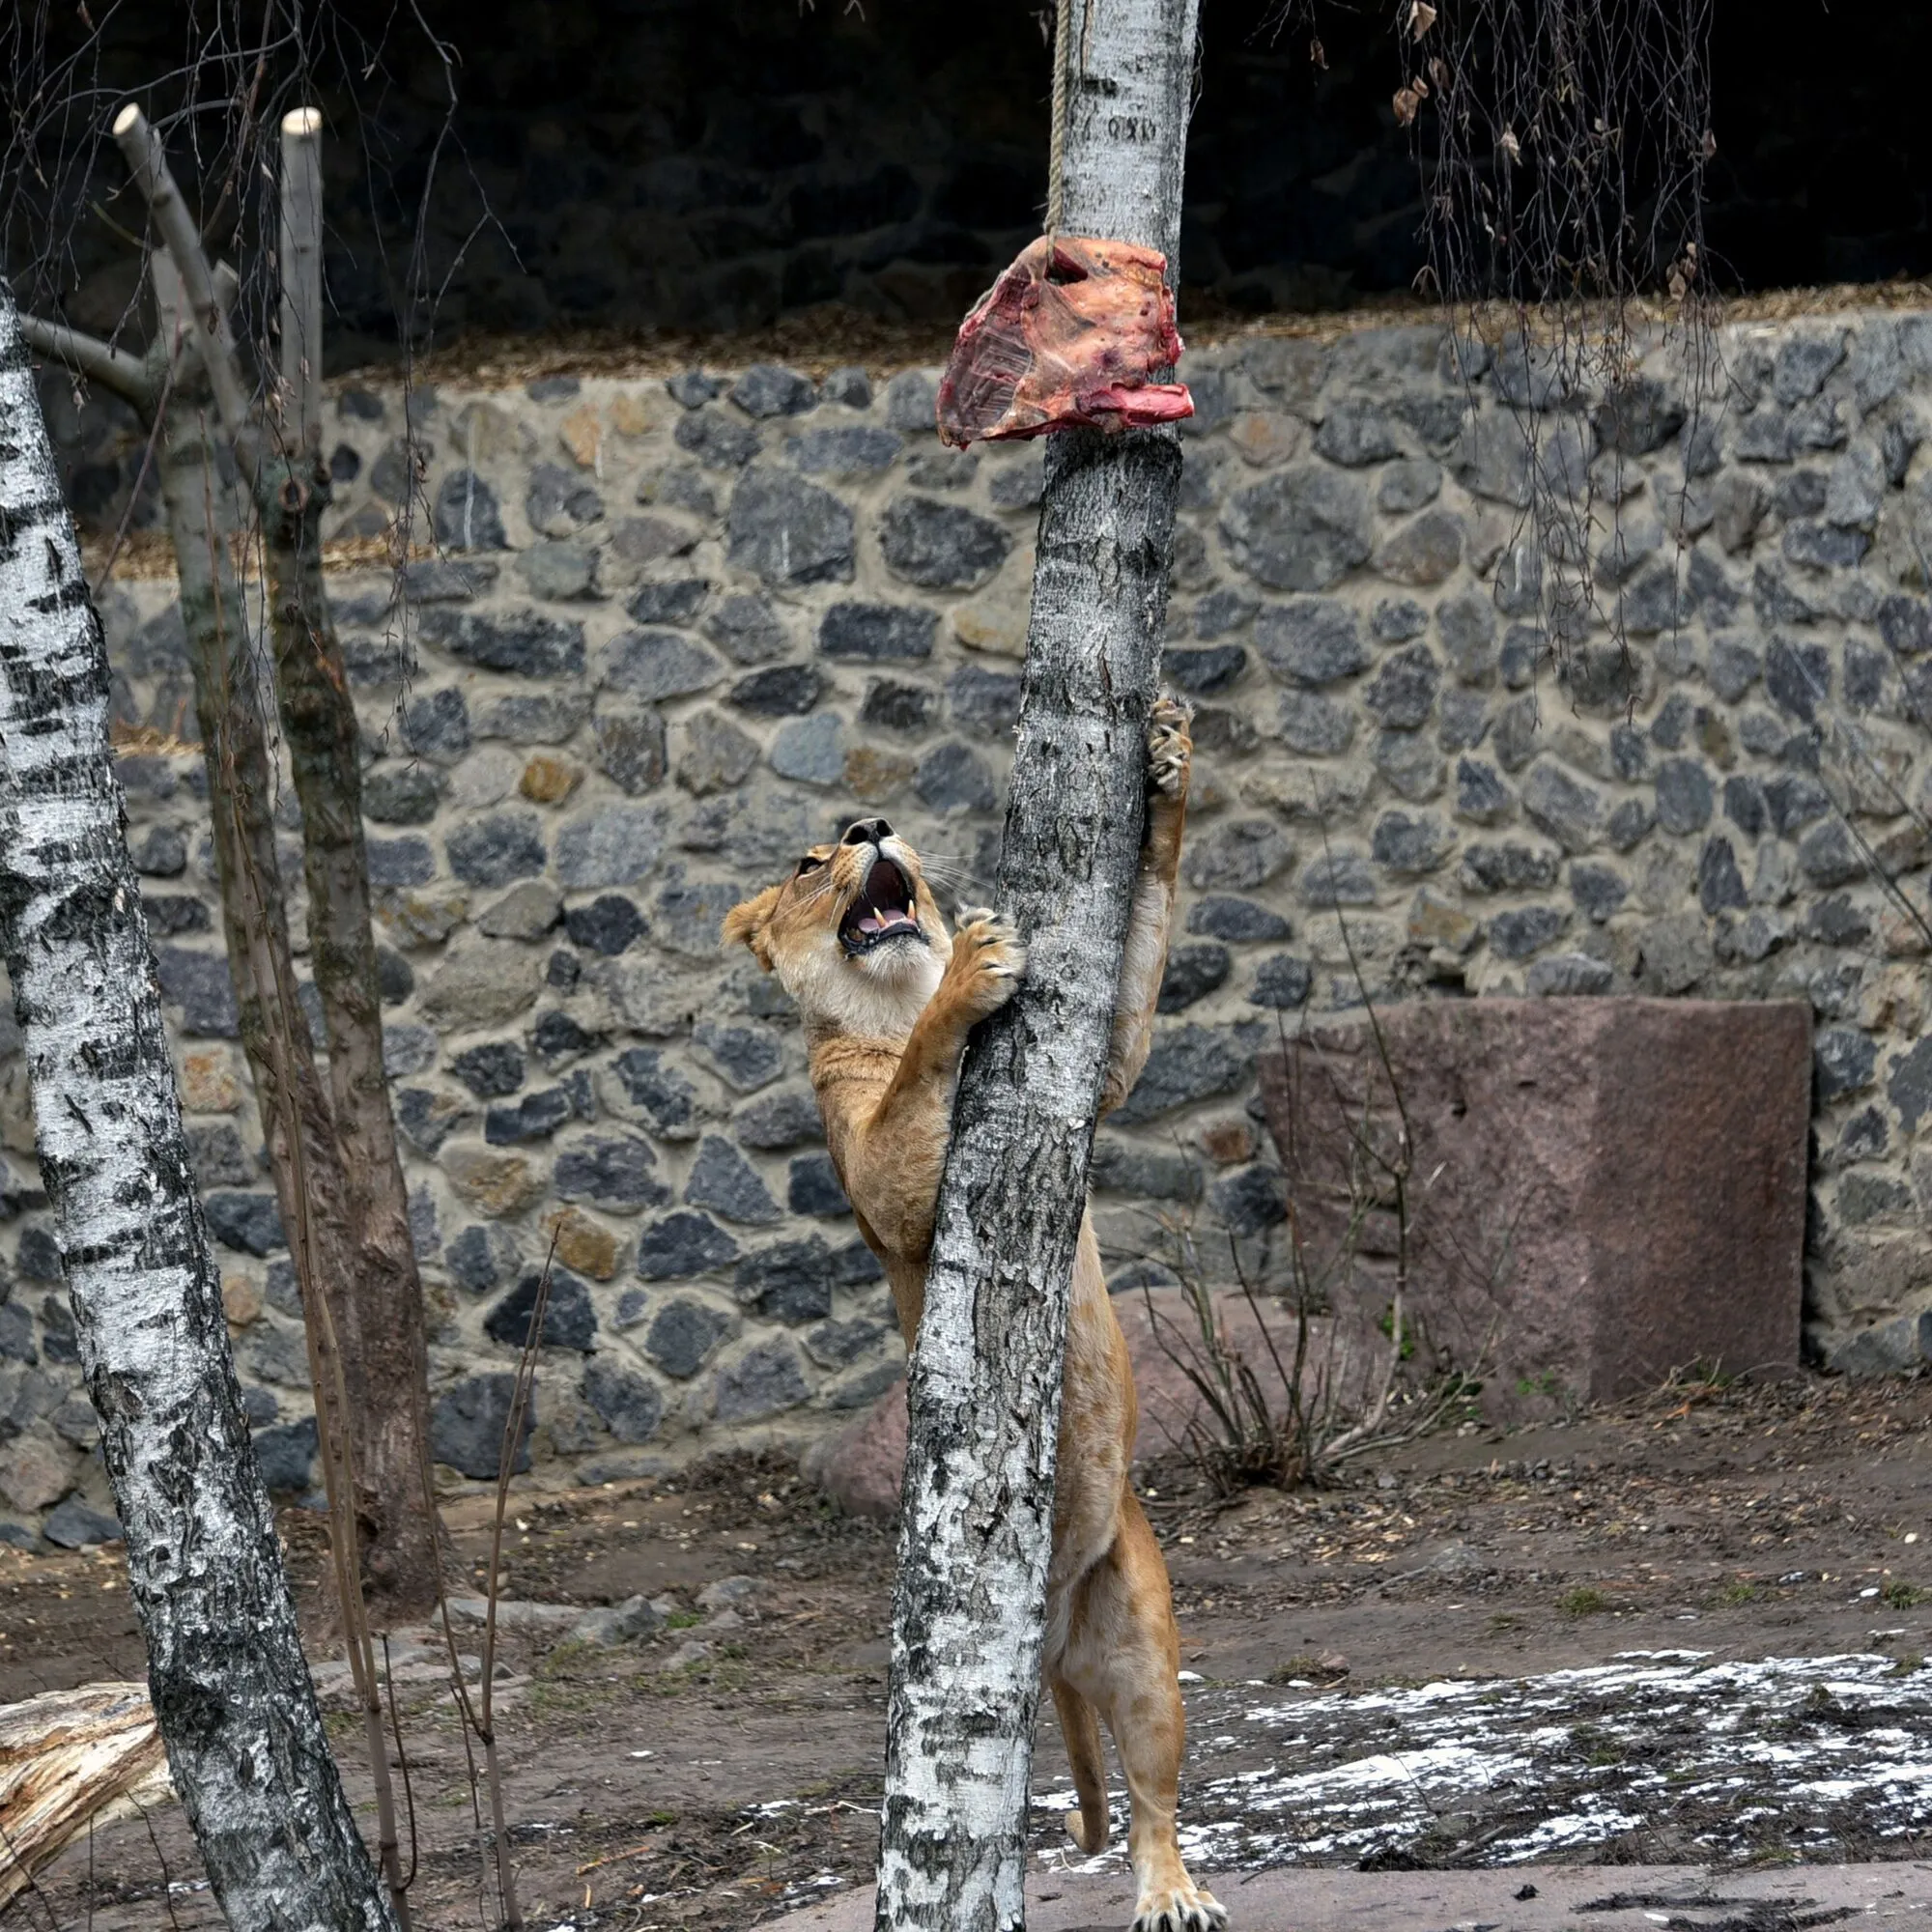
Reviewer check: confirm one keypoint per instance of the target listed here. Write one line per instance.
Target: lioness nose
(867, 832)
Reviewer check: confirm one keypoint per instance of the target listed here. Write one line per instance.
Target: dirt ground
(726, 1768)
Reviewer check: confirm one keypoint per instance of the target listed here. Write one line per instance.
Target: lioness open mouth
(882, 911)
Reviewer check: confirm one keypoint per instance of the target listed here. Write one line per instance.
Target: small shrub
(1585, 1601)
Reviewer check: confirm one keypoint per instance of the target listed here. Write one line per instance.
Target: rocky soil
(723, 1763)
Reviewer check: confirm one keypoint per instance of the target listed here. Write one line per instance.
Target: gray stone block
(747, 1058)
(612, 846)
(467, 515)
(627, 1403)
(765, 1380)
(494, 850)
(1310, 723)
(769, 389)
(1569, 976)
(1301, 529)
(249, 1222)
(788, 531)
(813, 1187)
(660, 1093)
(199, 983)
(724, 1181)
(779, 1121)
(1193, 972)
(1569, 811)
(878, 632)
(569, 1318)
(1426, 550)
(1237, 920)
(652, 666)
(1410, 844)
(524, 643)
(845, 449)
(682, 1245)
(810, 750)
(1185, 1064)
(469, 1422)
(1402, 694)
(940, 545)
(1311, 640)
(952, 778)
(1282, 982)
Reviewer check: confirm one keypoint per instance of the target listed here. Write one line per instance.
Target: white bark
(985, 1392)
(225, 1668)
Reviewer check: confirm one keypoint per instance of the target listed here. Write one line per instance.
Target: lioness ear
(748, 923)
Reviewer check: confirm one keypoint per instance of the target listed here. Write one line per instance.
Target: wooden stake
(302, 278)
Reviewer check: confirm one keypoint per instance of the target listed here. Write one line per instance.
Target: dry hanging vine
(1562, 145)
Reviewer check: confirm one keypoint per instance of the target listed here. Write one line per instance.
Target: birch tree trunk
(230, 1687)
(984, 1388)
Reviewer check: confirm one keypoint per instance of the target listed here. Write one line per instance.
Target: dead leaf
(1421, 18)
(1710, 147)
(1510, 145)
(1406, 104)
(1317, 53)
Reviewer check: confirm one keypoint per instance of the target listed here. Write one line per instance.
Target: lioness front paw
(1170, 748)
(988, 957)
(1184, 1908)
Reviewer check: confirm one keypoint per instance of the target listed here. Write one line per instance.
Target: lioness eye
(809, 865)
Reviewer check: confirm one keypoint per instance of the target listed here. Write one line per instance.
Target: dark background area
(711, 164)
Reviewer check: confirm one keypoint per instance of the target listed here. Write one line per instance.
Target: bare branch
(148, 162)
(114, 369)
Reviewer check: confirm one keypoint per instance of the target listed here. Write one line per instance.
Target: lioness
(888, 998)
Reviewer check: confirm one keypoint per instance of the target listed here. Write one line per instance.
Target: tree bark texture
(401, 1547)
(230, 1687)
(984, 1388)
(309, 1190)
(391, 1417)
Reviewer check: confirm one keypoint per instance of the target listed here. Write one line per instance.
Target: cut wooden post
(302, 278)
(324, 743)
(985, 1387)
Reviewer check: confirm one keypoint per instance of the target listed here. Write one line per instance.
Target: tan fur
(886, 1030)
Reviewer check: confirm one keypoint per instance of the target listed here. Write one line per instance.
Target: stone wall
(676, 632)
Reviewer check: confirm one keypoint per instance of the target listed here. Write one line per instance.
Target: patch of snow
(1566, 1759)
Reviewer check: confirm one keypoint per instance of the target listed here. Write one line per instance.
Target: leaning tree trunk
(984, 1388)
(225, 1667)
(401, 1553)
(308, 1182)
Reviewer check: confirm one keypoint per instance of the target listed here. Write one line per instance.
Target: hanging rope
(1062, 47)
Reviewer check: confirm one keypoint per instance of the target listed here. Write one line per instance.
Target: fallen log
(70, 1759)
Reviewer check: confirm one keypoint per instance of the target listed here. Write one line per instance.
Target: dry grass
(148, 554)
(819, 340)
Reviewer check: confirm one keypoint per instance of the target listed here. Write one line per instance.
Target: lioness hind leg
(1122, 1655)
(1080, 1726)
